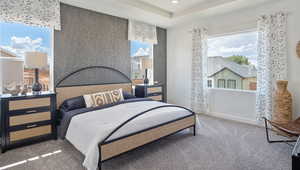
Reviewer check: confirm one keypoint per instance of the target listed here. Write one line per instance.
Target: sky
(19, 38)
(238, 44)
(140, 49)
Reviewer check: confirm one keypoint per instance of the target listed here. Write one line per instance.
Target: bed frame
(109, 149)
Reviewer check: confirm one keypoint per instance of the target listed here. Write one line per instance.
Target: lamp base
(36, 87)
(146, 81)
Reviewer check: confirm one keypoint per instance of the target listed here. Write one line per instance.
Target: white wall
(232, 104)
(238, 104)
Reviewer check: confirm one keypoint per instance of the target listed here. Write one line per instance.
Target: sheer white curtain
(44, 13)
(199, 71)
(143, 32)
(272, 60)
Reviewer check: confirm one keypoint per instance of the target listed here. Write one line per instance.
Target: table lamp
(146, 64)
(36, 61)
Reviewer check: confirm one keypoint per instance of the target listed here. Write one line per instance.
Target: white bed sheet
(87, 130)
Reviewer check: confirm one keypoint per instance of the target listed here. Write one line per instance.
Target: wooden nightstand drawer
(29, 118)
(29, 133)
(29, 103)
(157, 98)
(154, 90)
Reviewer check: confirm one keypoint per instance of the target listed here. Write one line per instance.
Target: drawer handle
(31, 111)
(32, 126)
(155, 94)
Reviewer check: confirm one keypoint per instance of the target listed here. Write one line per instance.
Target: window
(221, 83)
(232, 61)
(15, 41)
(141, 59)
(231, 84)
(209, 83)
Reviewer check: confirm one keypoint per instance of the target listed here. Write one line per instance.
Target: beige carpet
(219, 145)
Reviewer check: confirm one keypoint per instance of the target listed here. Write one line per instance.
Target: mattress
(87, 130)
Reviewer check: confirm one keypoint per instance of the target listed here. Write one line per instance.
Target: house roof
(7, 52)
(218, 63)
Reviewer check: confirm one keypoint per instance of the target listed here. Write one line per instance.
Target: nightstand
(153, 91)
(27, 119)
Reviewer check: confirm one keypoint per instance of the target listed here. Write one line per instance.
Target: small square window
(231, 84)
(209, 83)
(221, 83)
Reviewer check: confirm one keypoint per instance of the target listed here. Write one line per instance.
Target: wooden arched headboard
(101, 78)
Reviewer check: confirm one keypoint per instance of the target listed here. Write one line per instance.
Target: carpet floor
(219, 145)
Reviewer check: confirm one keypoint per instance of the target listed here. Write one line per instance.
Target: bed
(114, 129)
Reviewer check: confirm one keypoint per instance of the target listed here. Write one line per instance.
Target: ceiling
(168, 6)
(162, 12)
(185, 7)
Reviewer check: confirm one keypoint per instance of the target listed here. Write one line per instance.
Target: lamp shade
(147, 63)
(35, 59)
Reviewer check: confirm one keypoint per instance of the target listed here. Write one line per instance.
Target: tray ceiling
(182, 5)
(162, 12)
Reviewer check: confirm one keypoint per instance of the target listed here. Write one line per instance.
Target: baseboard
(233, 118)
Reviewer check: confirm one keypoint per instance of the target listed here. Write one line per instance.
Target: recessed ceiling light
(175, 1)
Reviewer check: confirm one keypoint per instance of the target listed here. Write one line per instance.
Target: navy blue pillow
(73, 103)
(127, 95)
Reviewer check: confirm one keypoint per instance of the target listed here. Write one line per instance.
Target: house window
(221, 83)
(209, 83)
(231, 84)
(233, 58)
(141, 59)
(16, 40)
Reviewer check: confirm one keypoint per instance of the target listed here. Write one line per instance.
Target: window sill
(232, 90)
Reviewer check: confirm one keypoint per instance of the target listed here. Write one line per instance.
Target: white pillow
(103, 98)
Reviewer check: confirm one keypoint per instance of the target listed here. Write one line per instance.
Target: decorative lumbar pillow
(103, 98)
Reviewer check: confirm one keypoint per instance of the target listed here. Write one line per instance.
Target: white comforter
(87, 130)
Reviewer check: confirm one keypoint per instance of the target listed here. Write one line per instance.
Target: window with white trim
(209, 83)
(231, 84)
(232, 61)
(141, 59)
(15, 41)
(221, 83)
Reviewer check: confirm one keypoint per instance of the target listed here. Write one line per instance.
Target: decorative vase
(283, 103)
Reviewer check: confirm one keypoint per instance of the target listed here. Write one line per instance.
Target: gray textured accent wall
(89, 38)
(160, 58)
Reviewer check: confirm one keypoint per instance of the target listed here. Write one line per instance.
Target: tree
(239, 59)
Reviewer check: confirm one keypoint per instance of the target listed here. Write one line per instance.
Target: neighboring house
(136, 67)
(12, 70)
(137, 70)
(223, 73)
(6, 53)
